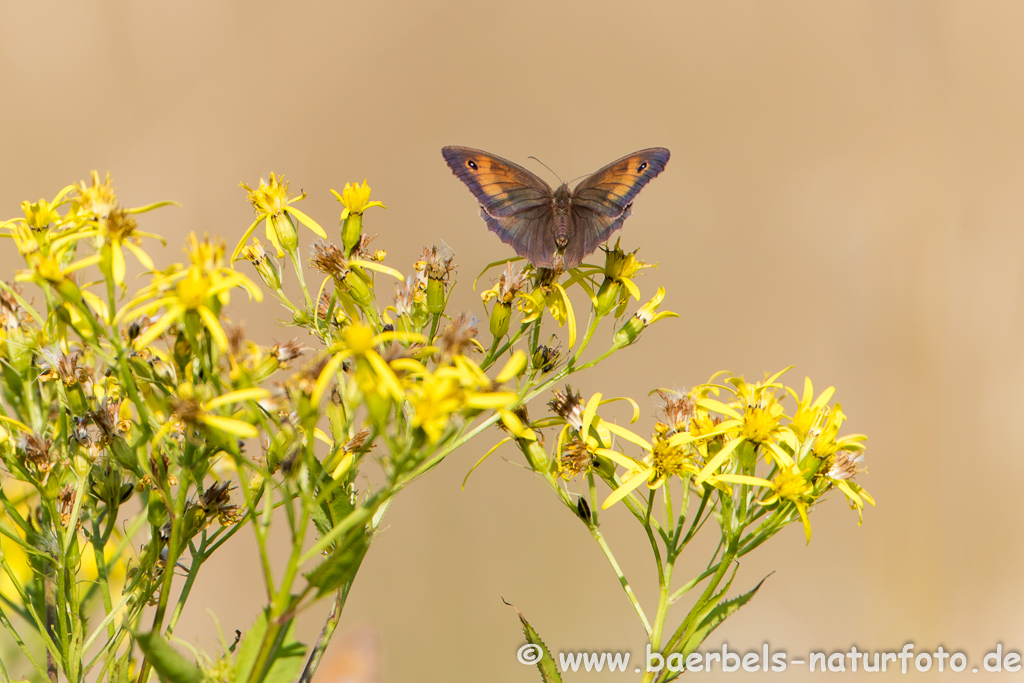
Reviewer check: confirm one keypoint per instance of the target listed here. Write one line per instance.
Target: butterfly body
(553, 228)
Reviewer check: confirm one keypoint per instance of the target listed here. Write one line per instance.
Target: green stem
(302, 280)
(325, 635)
(173, 552)
(6, 623)
(699, 607)
(599, 537)
(50, 597)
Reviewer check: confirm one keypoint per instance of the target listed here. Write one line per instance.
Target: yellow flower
(356, 199)
(508, 288)
(197, 414)
(265, 267)
(374, 377)
(96, 200)
(198, 292)
(619, 270)
(642, 319)
(755, 419)
(272, 204)
(114, 228)
(839, 472)
(117, 232)
(553, 297)
(665, 458)
(42, 215)
(789, 486)
(461, 388)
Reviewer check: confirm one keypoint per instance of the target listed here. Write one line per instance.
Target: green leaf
(340, 567)
(715, 617)
(335, 501)
(546, 663)
(287, 662)
(169, 664)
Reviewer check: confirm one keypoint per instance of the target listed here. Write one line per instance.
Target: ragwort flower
(192, 297)
(272, 204)
(356, 199)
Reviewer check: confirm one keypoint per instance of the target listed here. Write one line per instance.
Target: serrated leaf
(546, 664)
(715, 617)
(170, 665)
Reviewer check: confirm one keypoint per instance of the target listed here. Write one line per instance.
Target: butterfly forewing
(502, 187)
(612, 189)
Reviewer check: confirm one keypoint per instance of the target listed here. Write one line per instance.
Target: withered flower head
(216, 502)
(677, 409)
(236, 338)
(436, 263)
(458, 337)
(396, 350)
(66, 504)
(363, 252)
(511, 282)
(329, 260)
(568, 406)
(545, 276)
(521, 413)
(356, 443)
(159, 464)
(305, 379)
(407, 294)
(286, 352)
(119, 225)
(108, 420)
(37, 452)
(323, 307)
(58, 365)
(11, 313)
(576, 459)
(187, 408)
(844, 465)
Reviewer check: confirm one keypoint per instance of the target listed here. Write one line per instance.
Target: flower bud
(268, 272)
(501, 314)
(358, 286)
(628, 333)
(283, 228)
(435, 295)
(351, 232)
(607, 296)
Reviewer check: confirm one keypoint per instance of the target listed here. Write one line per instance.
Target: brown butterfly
(554, 228)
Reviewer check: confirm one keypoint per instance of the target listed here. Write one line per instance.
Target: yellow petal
(231, 426)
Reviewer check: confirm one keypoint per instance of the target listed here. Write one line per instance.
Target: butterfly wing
(602, 201)
(515, 203)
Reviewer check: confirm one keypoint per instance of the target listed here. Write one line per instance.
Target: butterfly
(554, 228)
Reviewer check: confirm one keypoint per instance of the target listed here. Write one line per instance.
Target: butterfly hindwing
(528, 232)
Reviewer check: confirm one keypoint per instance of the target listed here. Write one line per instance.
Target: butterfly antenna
(545, 166)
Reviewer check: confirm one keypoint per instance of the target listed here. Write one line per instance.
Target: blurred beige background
(844, 195)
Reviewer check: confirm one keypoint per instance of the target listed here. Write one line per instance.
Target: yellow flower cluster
(708, 442)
